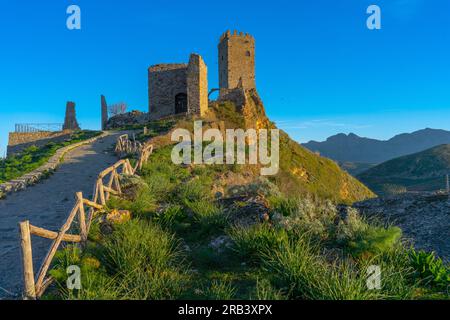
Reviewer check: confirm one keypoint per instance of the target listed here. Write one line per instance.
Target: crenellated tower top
(236, 60)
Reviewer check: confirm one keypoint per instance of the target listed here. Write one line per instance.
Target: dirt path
(47, 205)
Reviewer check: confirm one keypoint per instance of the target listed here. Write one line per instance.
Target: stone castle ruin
(182, 88)
(173, 89)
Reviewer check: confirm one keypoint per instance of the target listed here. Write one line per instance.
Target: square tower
(236, 61)
(178, 88)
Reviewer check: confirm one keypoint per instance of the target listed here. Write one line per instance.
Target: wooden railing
(107, 184)
(125, 146)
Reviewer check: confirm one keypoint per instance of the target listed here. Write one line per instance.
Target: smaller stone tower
(104, 109)
(236, 61)
(70, 121)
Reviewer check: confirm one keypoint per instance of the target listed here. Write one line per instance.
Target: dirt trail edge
(47, 205)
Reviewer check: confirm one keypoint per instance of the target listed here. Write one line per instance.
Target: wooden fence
(125, 146)
(107, 184)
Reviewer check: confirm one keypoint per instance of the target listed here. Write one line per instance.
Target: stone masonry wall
(18, 141)
(70, 120)
(33, 177)
(236, 60)
(197, 85)
(165, 81)
(104, 111)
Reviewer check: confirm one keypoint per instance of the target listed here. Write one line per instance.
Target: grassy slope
(355, 168)
(424, 171)
(33, 157)
(301, 171)
(305, 251)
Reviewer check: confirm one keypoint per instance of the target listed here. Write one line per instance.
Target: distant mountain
(423, 171)
(352, 148)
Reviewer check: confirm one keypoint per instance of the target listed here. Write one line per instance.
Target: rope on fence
(34, 288)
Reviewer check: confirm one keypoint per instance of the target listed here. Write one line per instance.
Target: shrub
(208, 218)
(220, 290)
(373, 240)
(143, 204)
(264, 290)
(260, 187)
(298, 267)
(315, 217)
(284, 206)
(195, 190)
(145, 261)
(430, 269)
(251, 243)
(170, 216)
(397, 280)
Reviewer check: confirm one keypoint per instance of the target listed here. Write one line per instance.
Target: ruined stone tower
(70, 120)
(104, 110)
(178, 88)
(236, 61)
(197, 85)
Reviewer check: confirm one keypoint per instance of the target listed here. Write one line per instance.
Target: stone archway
(181, 102)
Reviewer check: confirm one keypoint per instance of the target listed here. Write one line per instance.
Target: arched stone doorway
(181, 103)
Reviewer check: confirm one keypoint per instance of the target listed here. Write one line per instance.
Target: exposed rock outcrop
(126, 119)
(424, 218)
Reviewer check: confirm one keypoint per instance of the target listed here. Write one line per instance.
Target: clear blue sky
(320, 71)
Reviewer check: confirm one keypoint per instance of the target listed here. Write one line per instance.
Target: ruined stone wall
(236, 60)
(197, 85)
(236, 95)
(104, 111)
(18, 141)
(70, 120)
(165, 81)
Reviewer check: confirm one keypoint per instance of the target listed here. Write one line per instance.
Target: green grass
(138, 261)
(308, 249)
(252, 243)
(430, 269)
(33, 157)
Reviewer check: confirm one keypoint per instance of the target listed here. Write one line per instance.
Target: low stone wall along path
(47, 204)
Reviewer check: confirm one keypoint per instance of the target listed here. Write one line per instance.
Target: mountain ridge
(422, 171)
(353, 148)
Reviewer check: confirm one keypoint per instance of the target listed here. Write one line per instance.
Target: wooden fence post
(82, 217)
(102, 192)
(27, 260)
